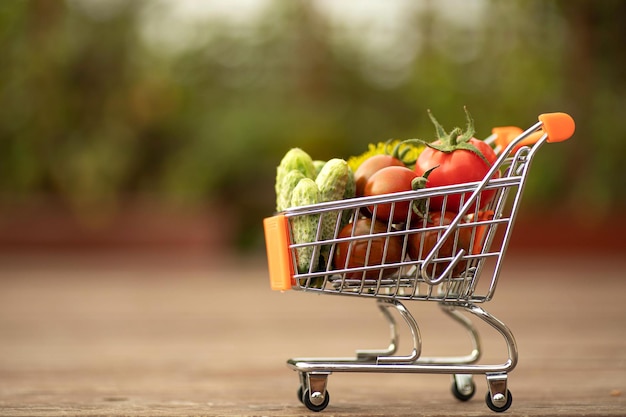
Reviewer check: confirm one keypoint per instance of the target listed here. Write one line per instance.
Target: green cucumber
(287, 185)
(331, 182)
(304, 227)
(350, 191)
(318, 166)
(334, 181)
(295, 159)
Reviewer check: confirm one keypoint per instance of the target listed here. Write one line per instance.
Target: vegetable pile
(377, 234)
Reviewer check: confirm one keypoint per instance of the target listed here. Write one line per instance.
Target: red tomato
(456, 156)
(422, 242)
(369, 167)
(389, 180)
(359, 249)
(481, 231)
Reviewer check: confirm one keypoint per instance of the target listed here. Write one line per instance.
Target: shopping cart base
(498, 400)
(314, 372)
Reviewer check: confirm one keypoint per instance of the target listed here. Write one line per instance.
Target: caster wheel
(463, 388)
(300, 393)
(315, 407)
(502, 404)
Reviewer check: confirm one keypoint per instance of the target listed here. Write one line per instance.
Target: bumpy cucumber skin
(334, 181)
(286, 187)
(331, 182)
(350, 191)
(318, 166)
(304, 228)
(295, 159)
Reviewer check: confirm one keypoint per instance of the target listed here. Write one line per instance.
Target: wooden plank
(137, 336)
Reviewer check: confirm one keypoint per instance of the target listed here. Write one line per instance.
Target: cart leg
(488, 318)
(303, 386)
(499, 397)
(372, 354)
(312, 392)
(387, 355)
(463, 387)
(416, 337)
(474, 355)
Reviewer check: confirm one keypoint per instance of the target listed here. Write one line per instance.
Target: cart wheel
(499, 408)
(300, 393)
(463, 387)
(313, 407)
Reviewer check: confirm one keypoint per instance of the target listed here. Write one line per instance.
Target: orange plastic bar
(505, 134)
(279, 262)
(558, 126)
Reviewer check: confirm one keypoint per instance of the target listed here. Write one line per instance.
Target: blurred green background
(191, 104)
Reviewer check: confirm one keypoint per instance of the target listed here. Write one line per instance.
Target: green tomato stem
(457, 139)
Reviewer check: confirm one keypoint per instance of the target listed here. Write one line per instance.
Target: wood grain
(132, 335)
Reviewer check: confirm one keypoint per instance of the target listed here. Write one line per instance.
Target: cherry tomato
(370, 166)
(481, 230)
(358, 249)
(423, 241)
(389, 180)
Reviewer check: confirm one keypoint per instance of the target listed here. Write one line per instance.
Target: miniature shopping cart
(401, 261)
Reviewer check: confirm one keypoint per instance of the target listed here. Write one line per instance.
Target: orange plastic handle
(558, 126)
(280, 266)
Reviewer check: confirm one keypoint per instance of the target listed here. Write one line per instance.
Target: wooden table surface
(151, 336)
